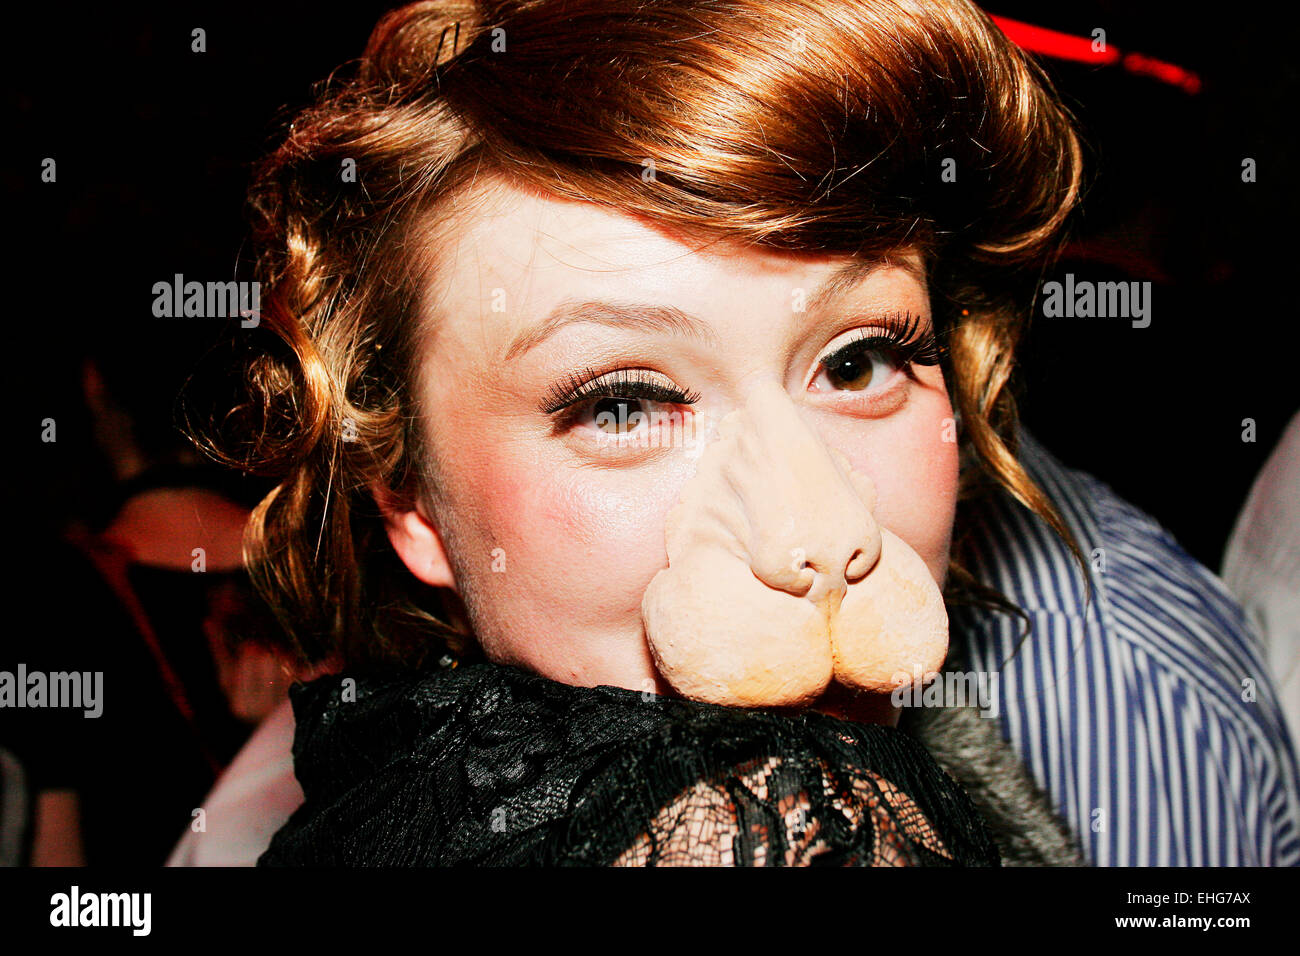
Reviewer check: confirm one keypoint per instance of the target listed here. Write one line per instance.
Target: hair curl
(800, 125)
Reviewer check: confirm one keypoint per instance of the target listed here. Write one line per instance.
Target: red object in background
(1066, 46)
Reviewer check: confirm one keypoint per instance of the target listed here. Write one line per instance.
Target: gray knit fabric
(1024, 823)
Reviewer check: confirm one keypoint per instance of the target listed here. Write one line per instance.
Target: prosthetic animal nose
(779, 579)
(808, 528)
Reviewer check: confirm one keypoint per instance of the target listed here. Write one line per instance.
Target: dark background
(153, 145)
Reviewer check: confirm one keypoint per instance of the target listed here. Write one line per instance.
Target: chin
(845, 703)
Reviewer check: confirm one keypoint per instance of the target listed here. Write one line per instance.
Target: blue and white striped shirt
(1150, 719)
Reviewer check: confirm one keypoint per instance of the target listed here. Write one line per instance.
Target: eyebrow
(649, 318)
(673, 321)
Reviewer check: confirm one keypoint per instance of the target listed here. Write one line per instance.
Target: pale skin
(547, 527)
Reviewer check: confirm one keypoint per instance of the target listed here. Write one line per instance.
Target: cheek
(912, 458)
(581, 544)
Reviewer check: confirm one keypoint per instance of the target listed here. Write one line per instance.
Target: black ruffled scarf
(492, 765)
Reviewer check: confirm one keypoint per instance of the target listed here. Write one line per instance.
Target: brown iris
(618, 416)
(853, 374)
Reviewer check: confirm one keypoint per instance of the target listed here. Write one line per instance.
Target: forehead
(513, 253)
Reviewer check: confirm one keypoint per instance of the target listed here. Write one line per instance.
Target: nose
(808, 526)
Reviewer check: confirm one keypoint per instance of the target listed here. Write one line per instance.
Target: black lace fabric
(492, 765)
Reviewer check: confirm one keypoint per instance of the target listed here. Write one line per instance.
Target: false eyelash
(897, 335)
(623, 383)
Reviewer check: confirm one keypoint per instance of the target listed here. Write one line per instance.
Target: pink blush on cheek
(572, 523)
(915, 474)
(612, 520)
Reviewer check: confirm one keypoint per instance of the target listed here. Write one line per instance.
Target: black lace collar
(491, 765)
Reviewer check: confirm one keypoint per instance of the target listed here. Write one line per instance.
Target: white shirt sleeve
(251, 800)
(1261, 567)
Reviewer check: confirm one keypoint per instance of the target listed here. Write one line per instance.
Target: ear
(415, 539)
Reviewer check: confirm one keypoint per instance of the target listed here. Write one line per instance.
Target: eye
(620, 416)
(626, 407)
(618, 423)
(867, 364)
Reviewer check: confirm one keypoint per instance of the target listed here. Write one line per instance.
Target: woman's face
(549, 524)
